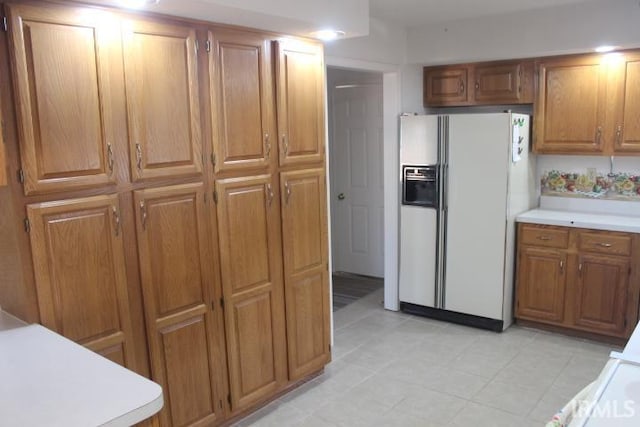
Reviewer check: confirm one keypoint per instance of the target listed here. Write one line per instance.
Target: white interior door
(357, 198)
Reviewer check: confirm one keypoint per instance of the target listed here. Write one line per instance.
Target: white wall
(543, 32)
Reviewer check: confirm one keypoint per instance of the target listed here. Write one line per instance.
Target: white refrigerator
(457, 257)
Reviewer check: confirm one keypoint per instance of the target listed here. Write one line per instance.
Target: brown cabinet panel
(536, 235)
(177, 286)
(3, 161)
(541, 284)
(601, 294)
(498, 83)
(243, 105)
(446, 86)
(79, 266)
(304, 228)
(250, 256)
(570, 108)
(605, 243)
(63, 86)
(300, 97)
(627, 126)
(162, 99)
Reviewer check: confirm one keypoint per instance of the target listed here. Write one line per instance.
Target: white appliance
(457, 254)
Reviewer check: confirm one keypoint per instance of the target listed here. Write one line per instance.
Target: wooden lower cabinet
(79, 266)
(542, 282)
(602, 294)
(304, 231)
(250, 255)
(183, 331)
(585, 280)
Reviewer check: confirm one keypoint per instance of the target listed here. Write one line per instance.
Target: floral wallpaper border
(595, 185)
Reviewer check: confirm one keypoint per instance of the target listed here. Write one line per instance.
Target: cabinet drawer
(605, 243)
(548, 237)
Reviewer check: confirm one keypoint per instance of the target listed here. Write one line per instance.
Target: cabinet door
(601, 294)
(570, 106)
(541, 284)
(3, 162)
(63, 87)
(446, 86)
(304, 231)
(627, 121)
(243, 105)
(300, 94)
(177, 288)
(498, 83)
(162, 99)
(250, 257)
(79, 266)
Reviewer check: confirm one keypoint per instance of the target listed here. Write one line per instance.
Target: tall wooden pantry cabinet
(166, 200)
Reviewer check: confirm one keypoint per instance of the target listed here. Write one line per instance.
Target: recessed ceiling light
(138, 4)
(327, 35)
(603, 49)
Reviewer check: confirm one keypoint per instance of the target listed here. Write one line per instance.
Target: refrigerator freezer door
(418, 140)
(418, 227)
(478, 161)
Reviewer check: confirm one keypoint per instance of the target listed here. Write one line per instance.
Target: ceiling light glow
(604, 49)
(138, 4)
(328, 35)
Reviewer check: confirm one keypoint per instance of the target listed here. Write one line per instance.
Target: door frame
(391, 110)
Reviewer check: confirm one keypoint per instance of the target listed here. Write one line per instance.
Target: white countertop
(46, 379)
(629, 224)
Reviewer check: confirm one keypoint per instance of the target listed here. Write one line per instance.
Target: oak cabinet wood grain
(160, 66)
(177, 280)
(79, 266)
(63, 76)
(304, 232)
(590, 283)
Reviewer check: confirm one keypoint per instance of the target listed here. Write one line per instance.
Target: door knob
(341, 196)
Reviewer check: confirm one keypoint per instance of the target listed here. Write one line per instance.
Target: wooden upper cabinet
(300, 101)
(183, 334)
(446, 85)
(490, 83)
(162, 99)
(602, 294)
(79, 266)
(625, 77)
(62, 61)
(571, 105)
(304, 231)
(499, 83)
(242, 100)
(251, 265)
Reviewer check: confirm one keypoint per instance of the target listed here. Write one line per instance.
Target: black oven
(420, 186)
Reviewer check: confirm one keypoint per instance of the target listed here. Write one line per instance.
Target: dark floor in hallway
(348, 288)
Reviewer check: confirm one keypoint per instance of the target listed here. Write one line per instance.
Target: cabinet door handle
(477, 85)
(269, 192)
(143, 215)
(580, 269)
(561, 266)
(461, 86)
(285, 144)
(267, 146)
(116, 220)
(598, 134)
(287, 191)
(110, 158)
(619, 136)
(139, 157)
(544, 238)
(604, 245)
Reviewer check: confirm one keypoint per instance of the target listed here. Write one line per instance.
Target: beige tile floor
(393, 369)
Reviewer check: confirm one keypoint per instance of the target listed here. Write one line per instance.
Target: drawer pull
(545, 238)
(604, 245)
(561, 266)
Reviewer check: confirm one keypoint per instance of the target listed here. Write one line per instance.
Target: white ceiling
(410, 13)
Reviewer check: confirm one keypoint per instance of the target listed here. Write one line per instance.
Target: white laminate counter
(47, 380)
(595, 221)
